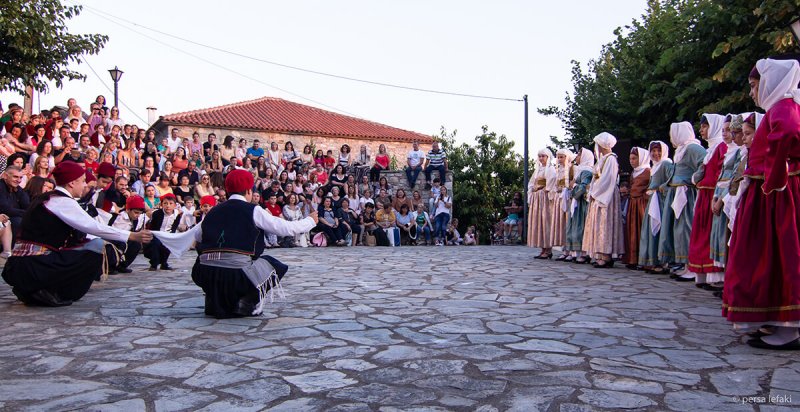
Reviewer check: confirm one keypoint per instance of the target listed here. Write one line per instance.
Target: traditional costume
(561, 200)
(660, 174)
(53, 262)
(678, 211)
(705, 179)
(637, 206)
(123, 221)
(762, 284)
(719, 226)
(579, 204)
(739, 181)
(541, 205)
(230, 269)
(604, 234)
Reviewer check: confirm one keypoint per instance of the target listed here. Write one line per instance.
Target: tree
(681, 59)
(485, 177)
(36, 47)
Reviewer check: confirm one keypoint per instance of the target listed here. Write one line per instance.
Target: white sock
(699, 277)
(782, 335)
(688, 275)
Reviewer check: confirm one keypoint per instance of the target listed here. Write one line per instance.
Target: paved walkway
(456, 328)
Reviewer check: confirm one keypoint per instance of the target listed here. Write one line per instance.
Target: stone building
(271, 119)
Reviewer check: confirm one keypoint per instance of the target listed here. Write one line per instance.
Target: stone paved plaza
(454, 328)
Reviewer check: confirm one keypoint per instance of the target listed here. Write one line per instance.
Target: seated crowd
(174, 181)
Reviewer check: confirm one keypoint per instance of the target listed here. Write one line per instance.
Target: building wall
(397, 149)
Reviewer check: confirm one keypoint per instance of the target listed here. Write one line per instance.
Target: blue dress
(648, 243)
(673, 243)
(577, 220)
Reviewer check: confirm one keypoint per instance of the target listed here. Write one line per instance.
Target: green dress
(719, 226)
(673, 242)
(648, 243)
(576, 220)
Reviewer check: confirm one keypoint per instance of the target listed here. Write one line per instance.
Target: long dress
(604, 233)
(762, 279)
(539, 215)
(648, 242)
(699, 244)
(719, 227)
(637, 213)
(673, 244)
(577, 213)
(561, 201)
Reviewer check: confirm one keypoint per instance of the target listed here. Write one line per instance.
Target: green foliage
(35, 46)
(393, 164)
(485, 177)
(682, 58)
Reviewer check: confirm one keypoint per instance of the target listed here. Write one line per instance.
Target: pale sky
(496, 48)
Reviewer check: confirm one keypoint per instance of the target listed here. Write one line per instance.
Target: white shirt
(68, 210)
(169, 220)
(179, 243)
(174, 144)
(415, 157)
(123, 221)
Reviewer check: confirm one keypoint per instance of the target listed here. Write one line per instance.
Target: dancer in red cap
(132, 219)
(234, 275)
(53, 263)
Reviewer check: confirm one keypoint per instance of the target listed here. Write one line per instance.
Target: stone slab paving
(404, 329)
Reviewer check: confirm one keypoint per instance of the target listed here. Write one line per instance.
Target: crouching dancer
(234, 275)
(53, 262)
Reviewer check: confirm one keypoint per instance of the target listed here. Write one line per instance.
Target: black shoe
(632, 267)
(717, 294)
(682, 279)
(166, 267)
(712, 288)
(673, 276)
(561, 258)
(47, 298)
(124, 270)
(607, 265)
(152, 269)
(702, 285)
(581, 261)
(758, 343)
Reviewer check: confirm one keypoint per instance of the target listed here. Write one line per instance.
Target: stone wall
(397, 180)
(397, 149)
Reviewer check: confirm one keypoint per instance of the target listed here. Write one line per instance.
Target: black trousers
(131, 249)
(335, 234)
(156, 253)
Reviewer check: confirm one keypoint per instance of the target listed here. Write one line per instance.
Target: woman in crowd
(329, 224)
(637, 205)
(383, 184)
(293, 212)
(441, 216)
(715, 129)
(226, 151)
(183, 190)
(126, 157)
(350, 220)
(400, 199)
(262, 167)
(151, 199)
(44, 149)
(561, 198)
(719, 226)
(38, 185)
(164, 185)
(406, 224)
(215, 164)
(319, 158)
(338, 178)
(540, 205)
(762, 283)
(290, 155)
(241, 150)
(416, 200)
(113, 119)
(603, 237)
(383, 197)
(179, 160)
(381, 163)
(336, 197)
(275, 157)
(169, 172)
(307, 157)
(353, 199)
(41, 167)
(361, 163)
(291, 173)
(660, 174)
(345, 159)
(677, 212)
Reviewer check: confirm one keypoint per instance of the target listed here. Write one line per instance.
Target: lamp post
(795, 26)
(116, 74)
(525, 177)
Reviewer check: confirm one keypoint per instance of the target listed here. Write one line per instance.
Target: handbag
(320, 240)
(369, 239)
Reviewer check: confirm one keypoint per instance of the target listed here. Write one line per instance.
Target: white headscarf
(644, 162)
(562, 170)
(547, 171)
(681, 135)
(779, 79)
(664, 156)
(586, 163)
(715, 126)
(605, 140)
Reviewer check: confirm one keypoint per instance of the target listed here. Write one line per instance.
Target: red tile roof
(272, 114)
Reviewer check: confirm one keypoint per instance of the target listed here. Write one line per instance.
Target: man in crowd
(174, 141)
(255, 151)
(13, 200)
(53, 263)
(191, 172)
(414, 164)
(210, 146)
(436, 160)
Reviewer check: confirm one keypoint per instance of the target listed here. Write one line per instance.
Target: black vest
(229, 227)
(41, 226)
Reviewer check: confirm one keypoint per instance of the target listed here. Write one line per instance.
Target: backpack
(320, 240)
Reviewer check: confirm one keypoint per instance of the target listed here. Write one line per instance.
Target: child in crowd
(470, 238)
(275, 210)
(187, 212)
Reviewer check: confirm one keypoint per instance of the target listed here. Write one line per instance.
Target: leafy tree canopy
(36, 47)
(681, 59)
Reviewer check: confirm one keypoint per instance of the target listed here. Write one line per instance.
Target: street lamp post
(116, 74)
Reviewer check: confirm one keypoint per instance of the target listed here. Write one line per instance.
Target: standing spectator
(414, 164)
(441, 216)
(14, 201)
(436, 160)
(114, 120)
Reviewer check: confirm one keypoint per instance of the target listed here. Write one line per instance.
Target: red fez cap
(239, 162)
(169, 196)
(134, 202)
(208, 200)
(239, 181)
(90, 176)
(66, 172)
(106, 169)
